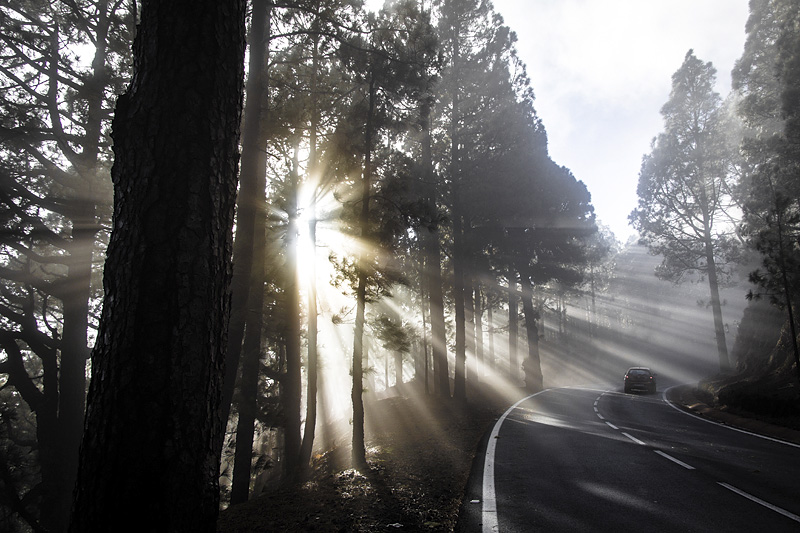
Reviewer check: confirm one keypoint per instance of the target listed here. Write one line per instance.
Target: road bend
(581, 459)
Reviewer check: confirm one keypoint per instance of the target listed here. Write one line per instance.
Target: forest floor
(420, 451)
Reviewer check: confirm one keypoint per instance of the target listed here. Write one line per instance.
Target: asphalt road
(599, 460)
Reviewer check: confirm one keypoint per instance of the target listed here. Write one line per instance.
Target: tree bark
(153, 436)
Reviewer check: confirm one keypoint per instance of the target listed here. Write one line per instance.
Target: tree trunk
(490, 332)
(250, 248)
(153, 435)
(291, 384)
(75, 299)
(313, 174)
(716, 305)
(513, 325)
(433, 270)
(359, 453)
(251, 204)
(479, 358)
(469, 326)
(459, 384)
(532, 364)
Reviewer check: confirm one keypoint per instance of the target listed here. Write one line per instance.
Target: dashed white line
(634, 439)
(676, 461)
(759, 501)
(687, 466)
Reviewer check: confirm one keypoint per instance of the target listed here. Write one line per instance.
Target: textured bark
(150, 454)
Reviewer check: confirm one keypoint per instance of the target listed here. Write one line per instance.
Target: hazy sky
(601, 70)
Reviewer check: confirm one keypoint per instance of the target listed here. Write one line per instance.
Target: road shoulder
(689, 399)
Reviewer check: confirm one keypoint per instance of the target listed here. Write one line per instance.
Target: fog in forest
(326, 224)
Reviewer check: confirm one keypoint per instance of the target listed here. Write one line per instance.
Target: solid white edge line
(676, 461)
(759, 501)
(489, 511)
(734, 428)
(634, 439)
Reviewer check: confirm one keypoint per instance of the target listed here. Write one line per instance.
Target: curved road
(598, 460)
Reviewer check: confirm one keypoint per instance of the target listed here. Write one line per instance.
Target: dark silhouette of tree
(55, 207)
(249, 255)
(153, 436)
(766, 77)
(684, 190)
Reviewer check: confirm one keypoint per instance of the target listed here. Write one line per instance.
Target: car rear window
(638, 372)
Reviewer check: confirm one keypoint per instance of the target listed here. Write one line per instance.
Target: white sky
(602, 69)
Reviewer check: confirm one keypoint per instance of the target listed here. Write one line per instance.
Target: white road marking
(634, 439)
(612, 426)
(759, 501)
(676, 461)
(489, 510)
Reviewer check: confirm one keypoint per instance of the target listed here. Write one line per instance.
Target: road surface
(577, 459)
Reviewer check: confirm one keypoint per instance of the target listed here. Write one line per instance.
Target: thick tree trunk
(152, 444)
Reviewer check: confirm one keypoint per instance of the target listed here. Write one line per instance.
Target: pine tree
(153, 435)
(684, 190)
